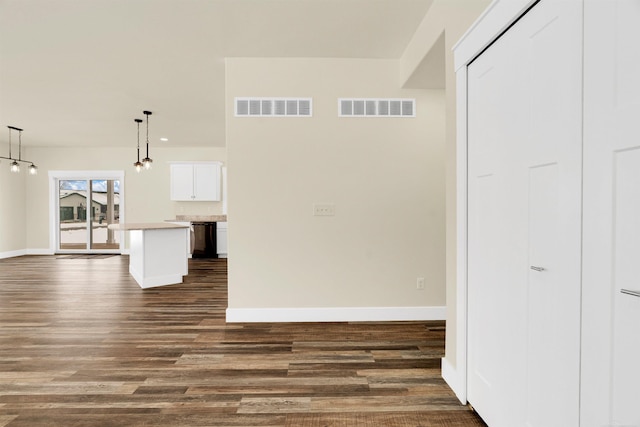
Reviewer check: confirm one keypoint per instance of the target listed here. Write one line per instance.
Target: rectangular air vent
(273, 107)
(376, 107)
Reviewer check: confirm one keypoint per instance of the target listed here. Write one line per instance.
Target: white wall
(450, 18)
(13, 199)
(385, 177)
(146, 193)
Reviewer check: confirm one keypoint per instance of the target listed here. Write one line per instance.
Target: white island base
(158, 253)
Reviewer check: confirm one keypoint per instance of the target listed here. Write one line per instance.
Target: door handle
(630, 292)
(534, 268)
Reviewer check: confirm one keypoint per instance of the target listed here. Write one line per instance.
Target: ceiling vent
(273, 107)
(376, 107)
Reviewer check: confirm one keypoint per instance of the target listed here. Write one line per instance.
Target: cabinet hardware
(630, 292)
(534, 268)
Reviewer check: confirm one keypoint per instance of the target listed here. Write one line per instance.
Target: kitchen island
(158, 252)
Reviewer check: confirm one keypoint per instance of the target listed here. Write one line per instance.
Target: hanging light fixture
(138, 165)
(147, 160)
(15, 164)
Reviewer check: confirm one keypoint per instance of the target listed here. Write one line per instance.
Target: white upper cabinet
(195, 181)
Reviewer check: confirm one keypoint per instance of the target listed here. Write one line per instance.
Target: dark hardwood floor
(82, 345)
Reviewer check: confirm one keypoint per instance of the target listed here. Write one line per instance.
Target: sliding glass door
(85, 208)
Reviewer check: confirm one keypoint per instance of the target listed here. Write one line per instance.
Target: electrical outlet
(324, 209)
(420, 283)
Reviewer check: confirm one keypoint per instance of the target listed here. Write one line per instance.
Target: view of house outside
(80, 219)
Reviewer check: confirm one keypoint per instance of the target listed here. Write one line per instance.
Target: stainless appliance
(204, 240)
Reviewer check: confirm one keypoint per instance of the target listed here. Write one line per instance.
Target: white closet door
(611, 318)
(495, 353)
(625, 347)
(524, 145)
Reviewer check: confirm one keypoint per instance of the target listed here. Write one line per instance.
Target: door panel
(611, 319)
(72, 222)
(553, 301)
(625, 384)
(86, 208)
(492, 125)
(542, 305)
(105, 210)
(555, 209)
(484, 364)
(524, 124)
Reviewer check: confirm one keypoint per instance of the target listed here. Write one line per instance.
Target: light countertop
(145, 226)
(201, 218)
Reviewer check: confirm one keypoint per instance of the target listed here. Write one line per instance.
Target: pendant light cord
(20, 145)
(147, 133)
(138, 122)
(146, 162)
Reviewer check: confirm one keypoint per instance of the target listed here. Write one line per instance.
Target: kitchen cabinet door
(206, 181)
(221, 239)
(195, 181)
(181, 182)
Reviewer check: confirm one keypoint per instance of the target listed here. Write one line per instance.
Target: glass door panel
(105, 194)
(72, 200)
(86, 208)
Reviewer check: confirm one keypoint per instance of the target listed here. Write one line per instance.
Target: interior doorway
(85, 204)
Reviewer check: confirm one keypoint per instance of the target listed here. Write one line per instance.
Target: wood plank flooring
(82, 345)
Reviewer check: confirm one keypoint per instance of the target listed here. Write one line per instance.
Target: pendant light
(15, 167)
(15, 164)
(147, 160)
(138, 165)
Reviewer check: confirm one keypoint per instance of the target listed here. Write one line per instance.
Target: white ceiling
(77, 72)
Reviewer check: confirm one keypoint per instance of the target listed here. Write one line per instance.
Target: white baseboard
(12, 254)
(40, 252)
(22, 252)
(452, 378)
(334, 314)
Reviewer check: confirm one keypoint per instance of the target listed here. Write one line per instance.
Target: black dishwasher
(204, 240)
